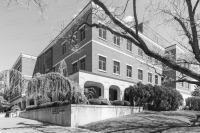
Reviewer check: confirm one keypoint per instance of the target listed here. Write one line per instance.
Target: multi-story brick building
(103, 60)
(24, 64)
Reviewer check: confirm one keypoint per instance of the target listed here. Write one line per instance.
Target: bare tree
(183, 15)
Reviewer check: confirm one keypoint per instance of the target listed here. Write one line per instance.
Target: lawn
(148, 122)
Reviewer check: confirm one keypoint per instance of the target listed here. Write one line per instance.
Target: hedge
(48, 104)
(159, 98)
(118, 103)
(193, 103)
(95, 101)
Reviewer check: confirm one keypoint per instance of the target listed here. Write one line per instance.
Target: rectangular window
(149, 58)
(48, 60)
(129, 45)
(20, 68)
(102, 32)
(75, 67)
(187, 85)
(102, 63)
(116, 40)
(140, 74)
(129, 71)
(156, 79)
(116, 67)
(82, 63)
(181, 84)
(140, 52)
(82, 33)
(150, 77)
(64, 48)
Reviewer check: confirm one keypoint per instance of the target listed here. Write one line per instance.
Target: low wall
(75, 114)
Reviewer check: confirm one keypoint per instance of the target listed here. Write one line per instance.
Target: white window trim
(131, 47)
(82, 57)
(129, 65)
(117, 74)
(102, 70)
(116, 44)
(155, 78)
(102, 38)
(81, 27)
(75, 62)
(98, 62)
(119, 67)
(102, 55)
(117, 60)
(131, 71)
(142, 74)
(151, 77)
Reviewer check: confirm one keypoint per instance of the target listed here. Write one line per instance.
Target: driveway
(21, 125)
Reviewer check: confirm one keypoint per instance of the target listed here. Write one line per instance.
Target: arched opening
(98, 88)
(114, 93)
(31, 102)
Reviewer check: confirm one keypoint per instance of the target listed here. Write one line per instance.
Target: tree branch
(141, 44)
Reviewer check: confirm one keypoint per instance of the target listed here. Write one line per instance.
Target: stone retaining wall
(74, 115)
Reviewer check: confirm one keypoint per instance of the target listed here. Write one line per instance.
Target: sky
(23, 30)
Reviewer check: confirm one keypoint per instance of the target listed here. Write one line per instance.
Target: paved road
(21, 125)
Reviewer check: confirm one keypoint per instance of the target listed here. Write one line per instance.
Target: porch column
(106, 90)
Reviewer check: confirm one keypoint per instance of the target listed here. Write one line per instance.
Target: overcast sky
(22, 30)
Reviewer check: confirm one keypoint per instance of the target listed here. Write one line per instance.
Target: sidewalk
(21, 125)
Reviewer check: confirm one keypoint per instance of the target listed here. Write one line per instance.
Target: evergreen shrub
(158, 98)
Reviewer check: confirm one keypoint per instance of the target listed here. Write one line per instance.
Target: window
(149, 58)
(75, 67)
(116, 69)
(82, 63)
(102, 63)
(64, 48)
(156, 79)
(48, 60)
(181, 84)
(150, 77)
(140, 74)
(129, 45)
(19, 68)
(102, 32)
(82, 33)
(116, 40)
(187, 85)
(129, 71)
(140, 52)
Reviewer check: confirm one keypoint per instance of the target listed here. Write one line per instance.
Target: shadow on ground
(147, 122)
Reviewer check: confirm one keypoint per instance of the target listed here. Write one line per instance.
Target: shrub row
(48, 104)
(158, 98)
(106, 102)
(193, 103)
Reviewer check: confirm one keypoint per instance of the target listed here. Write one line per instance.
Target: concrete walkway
(21, 125)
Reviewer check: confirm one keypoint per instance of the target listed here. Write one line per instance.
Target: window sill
(129, 51)
(140, 80)
(116, 45)
(116, 74)
(129, 77)
(102, 38)
(83, 39)
(102, 70)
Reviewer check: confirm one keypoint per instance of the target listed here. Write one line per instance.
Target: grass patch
(148, 121)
